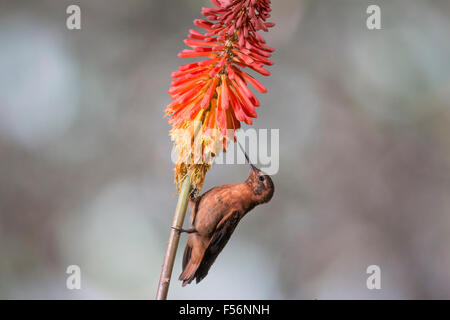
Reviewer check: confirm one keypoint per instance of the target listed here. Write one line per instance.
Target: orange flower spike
(214, 93)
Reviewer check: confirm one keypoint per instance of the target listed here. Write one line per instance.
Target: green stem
(174, 238)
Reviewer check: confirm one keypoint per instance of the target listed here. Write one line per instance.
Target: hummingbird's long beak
(247, 158)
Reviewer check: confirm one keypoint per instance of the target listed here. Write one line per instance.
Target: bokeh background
(86, 175)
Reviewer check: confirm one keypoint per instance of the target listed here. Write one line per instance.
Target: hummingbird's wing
(218, 241)
(199, 254)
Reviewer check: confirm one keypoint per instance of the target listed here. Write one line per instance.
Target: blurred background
(86, 176)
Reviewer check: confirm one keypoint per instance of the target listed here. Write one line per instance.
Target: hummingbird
(214, 216)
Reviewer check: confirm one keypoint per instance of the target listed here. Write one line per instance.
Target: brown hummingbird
(214, 216)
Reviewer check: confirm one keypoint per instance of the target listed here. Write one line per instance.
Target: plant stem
(174, 238)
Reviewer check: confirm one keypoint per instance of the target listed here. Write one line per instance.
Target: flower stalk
(174, 238)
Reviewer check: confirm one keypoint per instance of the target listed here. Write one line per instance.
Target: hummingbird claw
(181, 230)
(194, 193)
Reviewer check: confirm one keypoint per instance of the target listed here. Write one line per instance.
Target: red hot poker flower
(214, 93)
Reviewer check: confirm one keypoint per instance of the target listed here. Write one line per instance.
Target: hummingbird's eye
(261, 178)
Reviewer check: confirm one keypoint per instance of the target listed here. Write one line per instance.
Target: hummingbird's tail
(189, 268)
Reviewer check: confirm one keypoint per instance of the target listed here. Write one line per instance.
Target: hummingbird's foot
(194, 193)
(181, 230)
